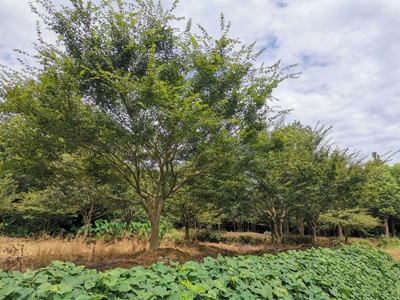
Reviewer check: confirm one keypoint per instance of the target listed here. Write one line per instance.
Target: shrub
(208, 236)
(296, 239)
(251, 240)
(244, 238)
(227, 239)
(116, 228)
(175, 237)
(388, 243)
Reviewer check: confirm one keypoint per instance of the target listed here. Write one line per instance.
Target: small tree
(350, 220)
(382, 191)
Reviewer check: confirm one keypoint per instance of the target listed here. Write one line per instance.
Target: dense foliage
(353, 272)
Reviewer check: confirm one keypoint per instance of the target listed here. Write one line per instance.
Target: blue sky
(347, 51)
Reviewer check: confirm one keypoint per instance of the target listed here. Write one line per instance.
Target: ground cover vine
(348, 272)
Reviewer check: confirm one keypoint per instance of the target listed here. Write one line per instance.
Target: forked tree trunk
(340, 231)
(386, 222)
(278, 237)
(88, 219)
(281, 227)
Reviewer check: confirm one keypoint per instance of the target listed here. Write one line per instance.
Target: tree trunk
(87, 225)
(276, 233)
(187, 233)
(340, 231)
(392, 226)
(314, 230)
(88, 220)
(287, 228)
(386, 222)
(314, 236)
(301, 226)
(155, 231)
(346, 238)
(281, 227)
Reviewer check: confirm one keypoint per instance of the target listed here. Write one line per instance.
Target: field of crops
(349, 272)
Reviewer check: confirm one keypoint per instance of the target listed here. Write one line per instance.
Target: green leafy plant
(117, 228)
(348, 272)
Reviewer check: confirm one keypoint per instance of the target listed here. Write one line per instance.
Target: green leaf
(9, 289)
(63, 288)
(45, 287)
(123, 287)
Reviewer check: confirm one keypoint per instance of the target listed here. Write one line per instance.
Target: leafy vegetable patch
(349, 272)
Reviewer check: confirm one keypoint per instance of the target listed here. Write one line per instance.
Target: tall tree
(158, 105)
(382, 191)
(273, 173)
(323, 178)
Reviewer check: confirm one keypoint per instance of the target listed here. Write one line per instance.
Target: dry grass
(23, 254)
(395, 253)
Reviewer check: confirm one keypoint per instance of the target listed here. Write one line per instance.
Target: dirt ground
(23, 254)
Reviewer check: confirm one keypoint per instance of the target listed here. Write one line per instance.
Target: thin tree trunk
(346, 238)
(88, 220)
(340, 231)
(301, 226)
(386, 222)
(392, 226)
(87, 225)
(187, 232)
(287, 228)
(314, 230)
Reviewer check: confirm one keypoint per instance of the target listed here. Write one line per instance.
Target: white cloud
(348, 52)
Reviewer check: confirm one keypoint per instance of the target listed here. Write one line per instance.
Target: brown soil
(194, 252)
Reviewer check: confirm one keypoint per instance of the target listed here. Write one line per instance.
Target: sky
(348, 52)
